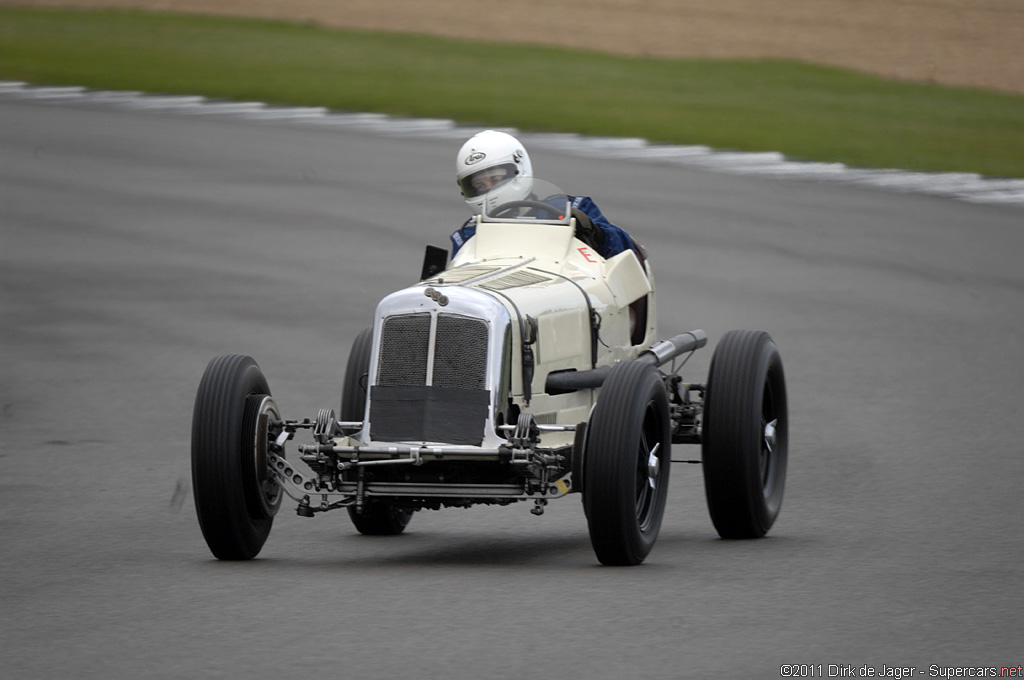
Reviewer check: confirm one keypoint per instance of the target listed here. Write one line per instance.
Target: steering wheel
(504, 208)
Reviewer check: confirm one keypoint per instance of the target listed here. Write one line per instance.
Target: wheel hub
(653, 466)
(770, 437)
(268, 493)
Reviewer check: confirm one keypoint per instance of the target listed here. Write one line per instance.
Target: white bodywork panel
(547, 285)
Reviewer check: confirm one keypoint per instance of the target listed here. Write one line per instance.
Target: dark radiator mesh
(453, 409)
(460, 353)
(403, 350)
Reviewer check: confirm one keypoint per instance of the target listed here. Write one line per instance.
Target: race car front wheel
(745, 438)
(380, 518)
(626, 464)
(235, 499)
(376, 518)
(353, 388)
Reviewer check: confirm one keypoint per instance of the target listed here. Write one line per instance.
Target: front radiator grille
(453, 408)
(403, 350)
(460, 351)
(460, 354)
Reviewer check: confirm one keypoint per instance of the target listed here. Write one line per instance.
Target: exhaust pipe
(667, 350)
(660, 353)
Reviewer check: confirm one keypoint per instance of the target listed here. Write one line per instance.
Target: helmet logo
(475, 157)
(518, 156)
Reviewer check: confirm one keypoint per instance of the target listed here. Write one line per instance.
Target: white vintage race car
(527, 370)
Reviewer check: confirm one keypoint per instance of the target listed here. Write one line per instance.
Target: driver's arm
(463, 234)
(592, 235)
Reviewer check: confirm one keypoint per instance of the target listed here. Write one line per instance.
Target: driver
(493, 168)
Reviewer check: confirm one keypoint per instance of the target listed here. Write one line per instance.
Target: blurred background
(141, 234)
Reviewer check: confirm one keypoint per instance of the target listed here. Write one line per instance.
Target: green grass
(805, 111)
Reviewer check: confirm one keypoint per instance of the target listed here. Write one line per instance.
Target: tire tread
(609, 471)
(732, 432)
(231, 532)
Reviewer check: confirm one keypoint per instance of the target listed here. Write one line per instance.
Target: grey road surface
(135, 246)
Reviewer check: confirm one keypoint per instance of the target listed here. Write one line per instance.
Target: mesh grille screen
(403, 350)
(460, 352)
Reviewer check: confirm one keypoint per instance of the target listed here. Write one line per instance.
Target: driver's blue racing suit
(608, 242)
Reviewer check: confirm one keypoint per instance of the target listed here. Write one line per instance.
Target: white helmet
(493, 168)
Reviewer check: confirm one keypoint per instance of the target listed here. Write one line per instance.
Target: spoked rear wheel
(746, 435)
(235, 498)
(626, 464)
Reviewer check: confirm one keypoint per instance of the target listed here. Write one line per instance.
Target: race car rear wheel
(378, 518)
(235, 499)
(626, 464)
(745, 438)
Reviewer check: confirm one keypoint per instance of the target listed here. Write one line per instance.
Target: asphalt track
(135, 246)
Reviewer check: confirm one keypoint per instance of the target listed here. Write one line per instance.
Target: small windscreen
(546, 204)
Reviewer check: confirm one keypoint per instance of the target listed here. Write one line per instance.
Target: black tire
(354, 384)
(235, 500)
(745, 440)
(623, 493)
(378, 518)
